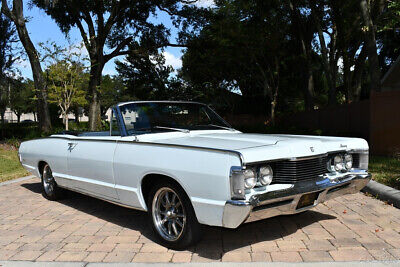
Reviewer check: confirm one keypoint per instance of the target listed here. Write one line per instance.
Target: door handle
(71, 146)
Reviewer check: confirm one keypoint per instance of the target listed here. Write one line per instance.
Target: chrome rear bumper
(280, 202)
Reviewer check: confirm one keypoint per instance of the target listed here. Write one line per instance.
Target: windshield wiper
(218, 126)
(174, 129)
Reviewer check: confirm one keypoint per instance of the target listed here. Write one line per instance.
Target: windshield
(148, 117)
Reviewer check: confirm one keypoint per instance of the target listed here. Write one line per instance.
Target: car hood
(262, 147)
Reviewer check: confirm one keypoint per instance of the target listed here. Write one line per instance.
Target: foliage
(79, 127)
(147, 77)
(7, 55)
(243, 49)
(320, 46)
(112, 90)
(388, 35)
(66, 80)
(7, 59)
(65, 86)
(22, 97)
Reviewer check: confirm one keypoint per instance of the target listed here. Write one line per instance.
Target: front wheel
(172, 215)
(51, 191)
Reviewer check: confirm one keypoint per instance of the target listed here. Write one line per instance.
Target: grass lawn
(10, 168)
(385, 170)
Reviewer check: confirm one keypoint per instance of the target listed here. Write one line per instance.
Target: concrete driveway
(80, 228)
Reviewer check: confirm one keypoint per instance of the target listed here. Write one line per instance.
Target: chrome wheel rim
(48, 180)
(168, 213)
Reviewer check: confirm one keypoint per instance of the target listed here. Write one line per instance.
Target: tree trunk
(309, 100)
(2, 117)
(373, 60)
(65, 115)
(94, 105)
(358, 73)
(326, 61)
(18, 118)
(17, 16)
(76, 114)
(2, 124)
(274, 94)
(347, 78)
(273, 106)
(327, 68)
(305, 46)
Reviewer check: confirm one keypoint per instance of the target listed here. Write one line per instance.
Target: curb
(383, 192)
(17, 180)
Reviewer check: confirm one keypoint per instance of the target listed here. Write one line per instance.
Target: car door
(90, 164)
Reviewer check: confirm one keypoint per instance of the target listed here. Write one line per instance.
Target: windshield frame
(122, 125)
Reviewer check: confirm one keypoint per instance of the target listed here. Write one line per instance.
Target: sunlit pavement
(83, 229)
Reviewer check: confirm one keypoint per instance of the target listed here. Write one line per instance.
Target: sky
(42, 28)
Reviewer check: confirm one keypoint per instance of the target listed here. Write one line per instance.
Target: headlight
(338, 163)
(250, 179)
(348, 161)
(266, 175)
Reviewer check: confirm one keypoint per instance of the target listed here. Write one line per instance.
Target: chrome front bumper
(280, 202)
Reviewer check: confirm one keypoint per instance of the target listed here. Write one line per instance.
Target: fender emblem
(312, 149)
(341, 145)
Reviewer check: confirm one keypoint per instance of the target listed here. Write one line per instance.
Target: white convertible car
(185, 166)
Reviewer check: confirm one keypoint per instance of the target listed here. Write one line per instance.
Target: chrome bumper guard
(280, 202)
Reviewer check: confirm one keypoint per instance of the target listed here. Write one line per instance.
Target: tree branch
(188, 2)
(89, 22)
(6, 11)
(83, 34)
(169, 12)
(117, 51)
(114, 53)
(113, 13)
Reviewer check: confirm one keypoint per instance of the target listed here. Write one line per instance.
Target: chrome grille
(288, 171)
(356, 160)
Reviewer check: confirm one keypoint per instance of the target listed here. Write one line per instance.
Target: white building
(10, 116)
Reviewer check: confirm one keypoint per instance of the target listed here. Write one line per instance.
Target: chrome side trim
(237, 153)
(101, 198)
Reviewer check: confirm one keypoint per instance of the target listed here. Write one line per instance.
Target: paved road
(79, 228)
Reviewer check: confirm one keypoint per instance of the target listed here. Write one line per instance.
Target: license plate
(307, 200)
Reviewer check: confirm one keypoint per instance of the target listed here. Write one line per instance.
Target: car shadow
(215, 240)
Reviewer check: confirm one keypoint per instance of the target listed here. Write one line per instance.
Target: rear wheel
(172, 215)
(51, 190)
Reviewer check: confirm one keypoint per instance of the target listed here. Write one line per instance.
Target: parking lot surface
(350, 228)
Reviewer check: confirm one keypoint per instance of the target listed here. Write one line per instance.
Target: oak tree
(107, 28)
